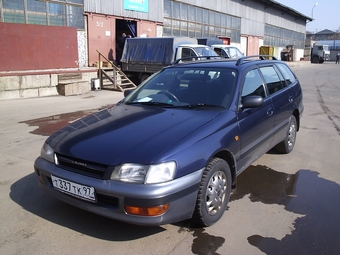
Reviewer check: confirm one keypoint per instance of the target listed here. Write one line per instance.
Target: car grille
(82, 167)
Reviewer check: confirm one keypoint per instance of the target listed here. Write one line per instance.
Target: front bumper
(112, 196)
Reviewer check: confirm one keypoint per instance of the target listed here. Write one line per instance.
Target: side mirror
(252, 101)
(127, 92)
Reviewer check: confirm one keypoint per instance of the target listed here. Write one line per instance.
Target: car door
(255, 124)
(282, 100)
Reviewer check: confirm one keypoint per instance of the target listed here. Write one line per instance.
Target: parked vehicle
(222, 49)
(320, 53)
(227, 51)
(145, 56)
(172, 149)
(209, 41)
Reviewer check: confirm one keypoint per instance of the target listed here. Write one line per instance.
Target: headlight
(47, 153)
(161, 173)
(145, 173)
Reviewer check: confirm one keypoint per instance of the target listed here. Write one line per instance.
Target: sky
(326, 13)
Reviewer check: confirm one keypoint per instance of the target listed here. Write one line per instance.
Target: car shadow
(27, 193)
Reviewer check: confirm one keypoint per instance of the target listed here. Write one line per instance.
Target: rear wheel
(287, 145)
(213, 194)
(315, 59)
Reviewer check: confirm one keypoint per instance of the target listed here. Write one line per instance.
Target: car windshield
(186, 87)
(234, 52)
(205, 51)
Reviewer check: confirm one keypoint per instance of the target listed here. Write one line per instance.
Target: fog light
(147, 211)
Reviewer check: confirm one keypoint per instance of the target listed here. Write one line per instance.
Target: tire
(315, 59)
(287, 145)
(213, 194)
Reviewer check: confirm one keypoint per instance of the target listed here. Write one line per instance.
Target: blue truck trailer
(144, 56)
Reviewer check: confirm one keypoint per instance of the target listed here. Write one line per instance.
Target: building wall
(254, 14)
(101, 36)
(31, 47)
(116, 8)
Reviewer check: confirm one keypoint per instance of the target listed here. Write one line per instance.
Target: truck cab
(319, 53)
(189, 52)
(227, 51)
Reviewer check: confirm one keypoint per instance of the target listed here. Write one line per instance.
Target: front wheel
(213, 194)
(287, 145)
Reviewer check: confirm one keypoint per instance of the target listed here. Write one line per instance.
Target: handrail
(128, 83)
(101, 54)
(100, 68)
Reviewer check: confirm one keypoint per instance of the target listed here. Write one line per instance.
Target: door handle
(270, 112)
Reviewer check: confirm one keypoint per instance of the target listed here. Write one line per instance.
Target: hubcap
(291, 135)
(215, 193)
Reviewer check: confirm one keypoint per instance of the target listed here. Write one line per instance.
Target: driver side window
(253, 85)
(186, 53)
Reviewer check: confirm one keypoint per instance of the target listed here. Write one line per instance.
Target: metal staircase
(111, 77)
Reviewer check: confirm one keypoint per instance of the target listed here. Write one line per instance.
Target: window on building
(184, 28)
(281, 37)
(75, 16)
(48, 12)
(57, 14)
(13, 11)
(199, 15)
(76, 1)
(191, 27)
(184, 12)
(36, 12)
(202, 22)
(175, 10)
(167, 8)
(192, 13)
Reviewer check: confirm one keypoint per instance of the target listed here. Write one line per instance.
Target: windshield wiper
(201, 105)
(151, 103)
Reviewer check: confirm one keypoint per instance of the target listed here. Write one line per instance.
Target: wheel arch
(229, 158)
(297, 117)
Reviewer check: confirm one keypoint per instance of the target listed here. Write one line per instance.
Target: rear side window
(253, 85)
(287, 74)
(272, 79)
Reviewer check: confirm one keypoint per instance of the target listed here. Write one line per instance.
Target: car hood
(128, 134)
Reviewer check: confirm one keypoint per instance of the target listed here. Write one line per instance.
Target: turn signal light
(147, 211)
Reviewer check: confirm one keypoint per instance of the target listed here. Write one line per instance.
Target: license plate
(74, 189)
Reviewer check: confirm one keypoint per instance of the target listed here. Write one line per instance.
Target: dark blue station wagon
(171, 149)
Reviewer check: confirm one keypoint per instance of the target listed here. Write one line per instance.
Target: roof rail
(192, 58)
(257, 57)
